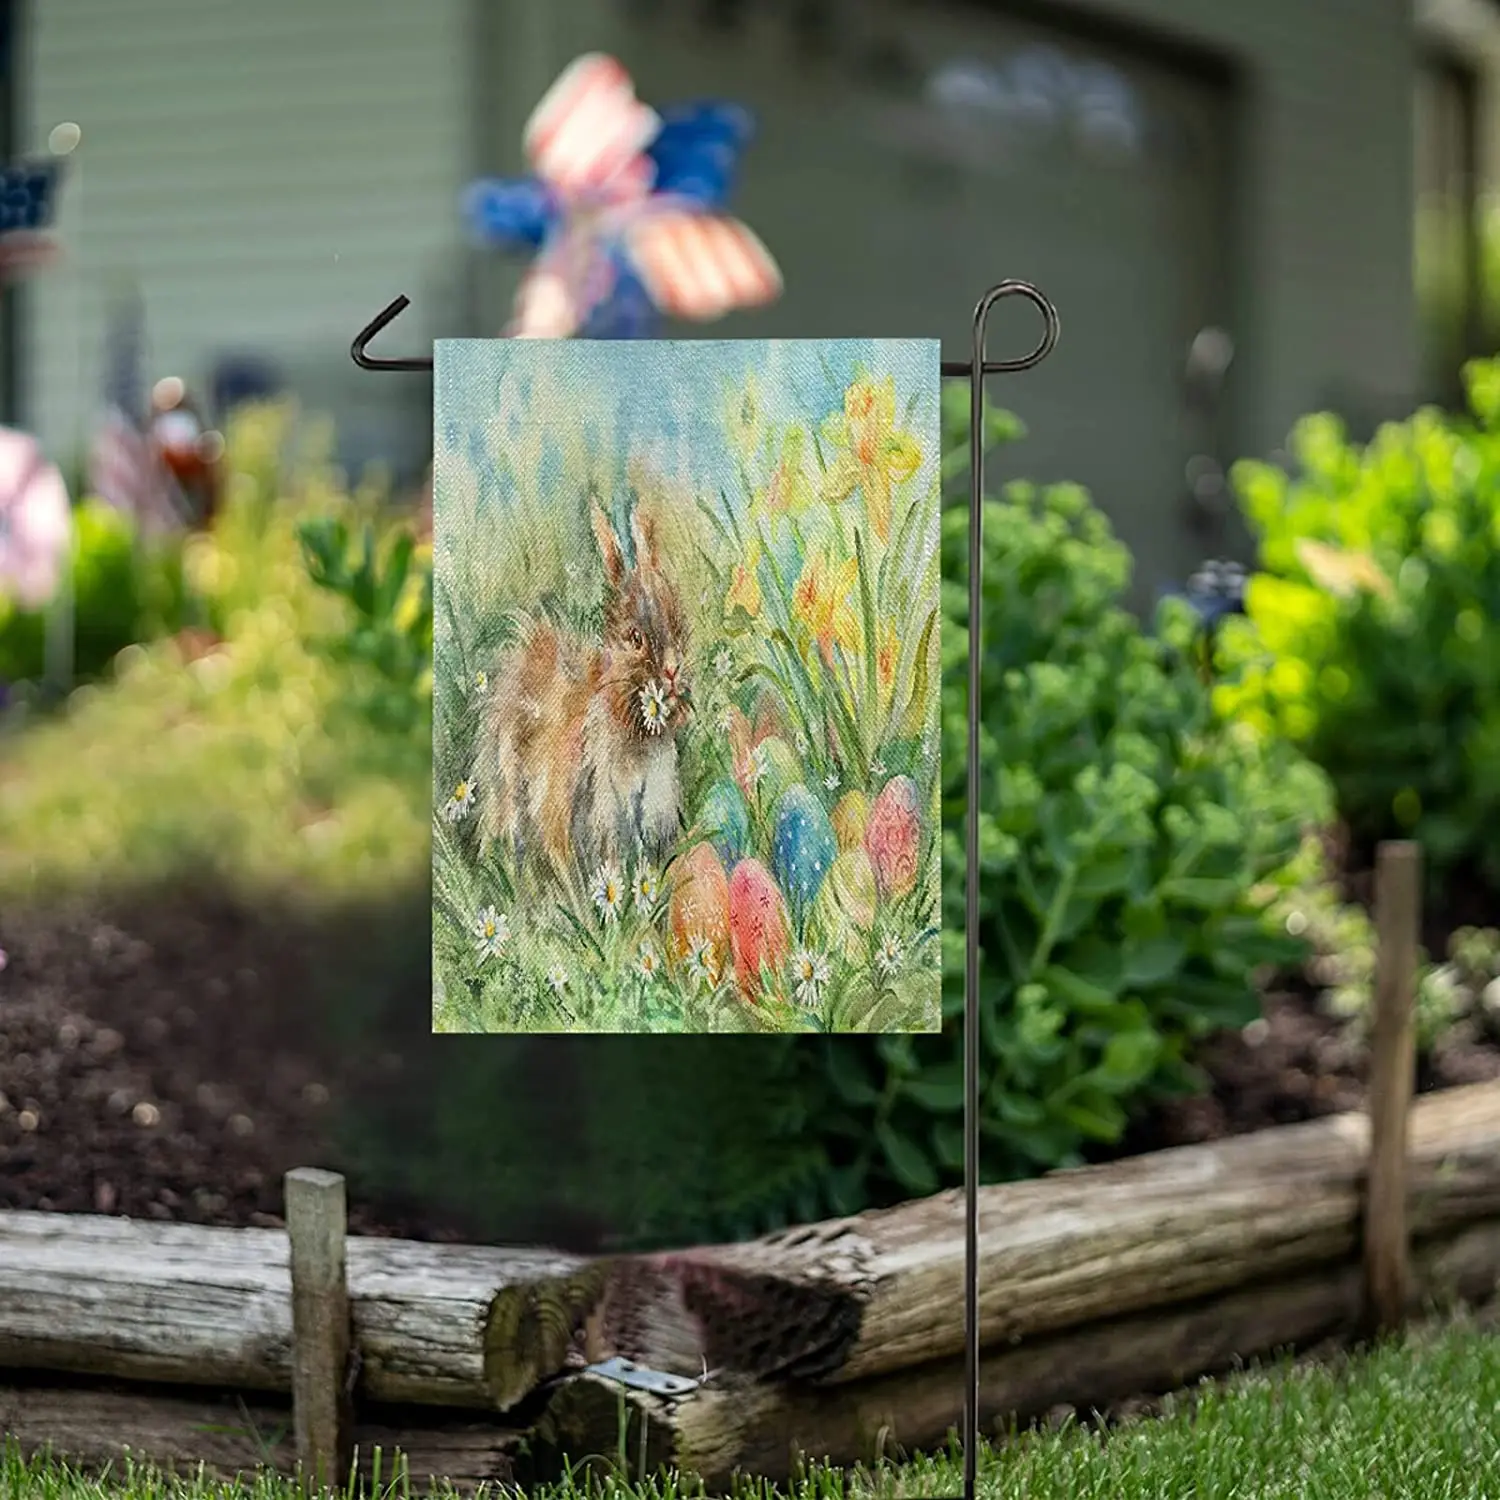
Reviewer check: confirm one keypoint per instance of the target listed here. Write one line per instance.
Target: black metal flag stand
(974, 370)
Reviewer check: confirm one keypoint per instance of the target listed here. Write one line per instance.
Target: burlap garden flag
(686, 728)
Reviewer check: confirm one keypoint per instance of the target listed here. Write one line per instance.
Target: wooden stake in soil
(316, 1223)
(1398, 908)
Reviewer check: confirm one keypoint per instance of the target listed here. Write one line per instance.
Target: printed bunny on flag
(624, 212)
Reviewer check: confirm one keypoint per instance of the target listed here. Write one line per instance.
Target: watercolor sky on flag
(686, 686)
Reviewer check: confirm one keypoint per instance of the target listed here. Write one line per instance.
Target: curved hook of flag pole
(383, 319)
(359, 349)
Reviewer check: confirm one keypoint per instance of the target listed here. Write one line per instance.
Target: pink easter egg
(757, 924)
(893, 836)
(699, 908)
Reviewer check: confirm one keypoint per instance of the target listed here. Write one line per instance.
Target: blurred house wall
(272, 174)
(910, 154)
(269, 175)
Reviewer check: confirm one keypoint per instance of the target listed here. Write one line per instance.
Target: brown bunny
(578, 746)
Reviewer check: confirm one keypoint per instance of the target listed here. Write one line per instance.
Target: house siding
(1325, 199)
(1323, 194)
(268, 176)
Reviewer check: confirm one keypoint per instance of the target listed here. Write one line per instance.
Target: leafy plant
(1370, 637)
(390, 602)
(126, 589)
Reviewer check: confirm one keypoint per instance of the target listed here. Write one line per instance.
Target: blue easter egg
(724, 820)
(803, 846)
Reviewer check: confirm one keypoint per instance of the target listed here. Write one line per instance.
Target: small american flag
(28, 207)
(126, 468)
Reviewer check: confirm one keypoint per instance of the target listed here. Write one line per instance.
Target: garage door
(914, 155)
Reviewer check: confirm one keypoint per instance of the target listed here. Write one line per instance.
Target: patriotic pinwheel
(623, 212)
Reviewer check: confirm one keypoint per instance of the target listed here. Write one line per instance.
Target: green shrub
(256, 764)
(1370, 639)
(125, 589)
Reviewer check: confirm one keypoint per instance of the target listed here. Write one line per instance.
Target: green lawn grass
(1417, 1419)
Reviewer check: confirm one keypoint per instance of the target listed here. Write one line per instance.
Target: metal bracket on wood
(627, 1373)
(974, 370)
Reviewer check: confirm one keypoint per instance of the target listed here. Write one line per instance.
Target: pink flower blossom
(35, 521)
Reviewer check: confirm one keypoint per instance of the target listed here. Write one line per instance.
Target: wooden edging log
(832, 1303)
(185, 1304)
(185, 1429)
(736, 1425)
(861, 1297)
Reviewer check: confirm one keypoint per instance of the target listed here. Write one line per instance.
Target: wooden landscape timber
(1098, 1282)
(180, 1303)
(182, 1428)
(769, 1428)
(854, 1298)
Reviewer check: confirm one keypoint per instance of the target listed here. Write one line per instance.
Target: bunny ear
(643, 534)
(609, 543)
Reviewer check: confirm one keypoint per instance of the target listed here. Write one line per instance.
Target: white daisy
(647, 887)
(557, 979)
(723, 661)
(609, 892)
(702, 961)
(650, 962)
(491, 932)
(725, 719)
(877, 768)
(461, 802)
(655, 709)
(831, 781)
(810, 972)
(888, 955)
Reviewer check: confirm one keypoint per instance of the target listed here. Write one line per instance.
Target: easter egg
(802, 846)
(893, 836)
(850, 819)
(844, 912)
(724, 819)
(757, 924)
(699, 907)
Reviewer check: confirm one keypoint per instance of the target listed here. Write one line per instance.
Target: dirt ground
(161, 1064)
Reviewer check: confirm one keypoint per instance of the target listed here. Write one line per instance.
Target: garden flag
(623, 212)
(686, 686)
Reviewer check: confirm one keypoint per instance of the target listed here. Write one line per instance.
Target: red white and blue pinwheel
(623, 212)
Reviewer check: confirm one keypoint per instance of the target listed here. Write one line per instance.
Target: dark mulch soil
(162, 1063)
(1295, 1063)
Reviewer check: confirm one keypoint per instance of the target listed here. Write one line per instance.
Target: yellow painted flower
(744, 586)
(790, 491)
(820, 601)
(871, 454)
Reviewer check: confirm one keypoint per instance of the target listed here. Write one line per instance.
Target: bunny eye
(637, 640)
